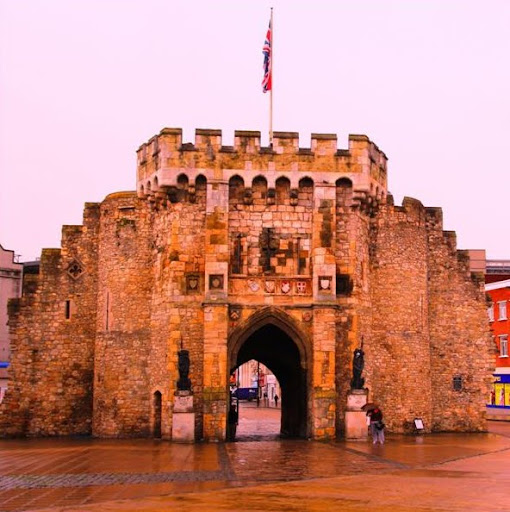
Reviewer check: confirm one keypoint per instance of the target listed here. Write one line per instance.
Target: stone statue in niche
(358, 363)
(184, 383)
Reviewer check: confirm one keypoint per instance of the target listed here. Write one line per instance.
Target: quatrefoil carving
(75, 269)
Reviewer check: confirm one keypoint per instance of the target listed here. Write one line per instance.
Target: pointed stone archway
(273, 338)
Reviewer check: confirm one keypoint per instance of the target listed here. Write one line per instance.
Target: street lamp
(258, 384)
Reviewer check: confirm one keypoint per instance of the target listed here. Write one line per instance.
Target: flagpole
(272, 84)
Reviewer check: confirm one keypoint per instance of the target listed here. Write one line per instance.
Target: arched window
(259, 189)
(182, 187)
(282, 190)
(305, 197)
(235, 190)
(201, 188)
(343, 192)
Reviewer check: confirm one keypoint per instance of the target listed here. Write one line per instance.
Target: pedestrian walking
(376, 425)
(276, 400)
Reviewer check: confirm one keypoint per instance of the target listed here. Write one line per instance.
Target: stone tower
(282, 254)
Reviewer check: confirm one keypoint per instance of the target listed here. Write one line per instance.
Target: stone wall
(177, 240)
(221, 247)
(460, 342)
(429, 324)
(53, 328)
(399, 375)
(123, 342)
(353, 284)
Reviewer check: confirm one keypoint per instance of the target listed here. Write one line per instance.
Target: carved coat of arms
(301, 287)
(192, 283)
(216, 282)
(307, 316)
(285, 286)
(235, 313)
(325, 282)
(253, 285)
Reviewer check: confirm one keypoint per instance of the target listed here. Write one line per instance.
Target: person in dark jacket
(376, 425)
(233, 419)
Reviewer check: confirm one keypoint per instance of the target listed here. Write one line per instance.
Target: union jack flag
(266, 50)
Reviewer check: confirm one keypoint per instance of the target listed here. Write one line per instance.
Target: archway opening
(157, 414)
(255, 400)
(275, 349)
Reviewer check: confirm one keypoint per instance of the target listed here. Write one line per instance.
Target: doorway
(255, 393)
(274, 341)
(157, 414)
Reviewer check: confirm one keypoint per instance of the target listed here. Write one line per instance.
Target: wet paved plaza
(424, 473)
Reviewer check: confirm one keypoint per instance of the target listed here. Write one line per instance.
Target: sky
(84, 83)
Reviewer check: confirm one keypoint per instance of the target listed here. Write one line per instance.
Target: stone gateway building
(286, 255)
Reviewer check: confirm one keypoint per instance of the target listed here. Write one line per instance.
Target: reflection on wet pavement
(78, 472)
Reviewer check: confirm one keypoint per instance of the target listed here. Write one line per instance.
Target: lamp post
(258, 384)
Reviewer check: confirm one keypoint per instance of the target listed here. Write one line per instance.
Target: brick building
(10, 287)
(497, 270)
(290, 256)
(498, 289)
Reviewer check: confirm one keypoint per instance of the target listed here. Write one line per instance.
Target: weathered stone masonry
(285, 254)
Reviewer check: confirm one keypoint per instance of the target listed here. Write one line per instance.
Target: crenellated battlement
(165, 159)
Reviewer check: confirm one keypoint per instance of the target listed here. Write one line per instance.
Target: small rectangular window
(502, 310)
(490, 313)
(457, 383)
(68, 309)
(107, 312)
(343, 284)
(503, 345)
